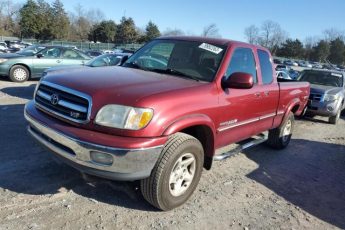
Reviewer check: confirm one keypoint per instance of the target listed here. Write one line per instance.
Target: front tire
(176, 173)
(19, 73)
(334, 119)
(280, 137)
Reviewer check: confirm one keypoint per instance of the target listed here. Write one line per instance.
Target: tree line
(329, 47)
(43, 21)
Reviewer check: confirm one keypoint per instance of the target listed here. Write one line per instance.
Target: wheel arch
(20, 64)
(200, 127)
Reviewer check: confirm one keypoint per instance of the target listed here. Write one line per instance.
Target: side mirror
(39, 55)
(239, 80)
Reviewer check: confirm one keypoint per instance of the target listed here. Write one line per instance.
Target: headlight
(124, 117)
(330, 97)
(3, 60)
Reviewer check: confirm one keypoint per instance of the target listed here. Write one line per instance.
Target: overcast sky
(300, 18)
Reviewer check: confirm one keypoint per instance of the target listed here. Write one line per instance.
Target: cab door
(73, 57)
(49, 57)
(240, 108)
(268, 89)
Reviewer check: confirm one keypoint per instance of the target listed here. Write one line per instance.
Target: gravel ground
(301, 187)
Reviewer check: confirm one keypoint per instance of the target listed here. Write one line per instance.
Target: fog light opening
(330, 108)
(101, 158)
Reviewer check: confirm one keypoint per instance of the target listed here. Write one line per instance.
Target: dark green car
(20, 68)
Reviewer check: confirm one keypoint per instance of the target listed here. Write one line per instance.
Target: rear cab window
(265, 66)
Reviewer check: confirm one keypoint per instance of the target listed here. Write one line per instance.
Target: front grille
(63, 102)
(315, 96)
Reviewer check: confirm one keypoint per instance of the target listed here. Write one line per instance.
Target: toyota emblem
(54, 99)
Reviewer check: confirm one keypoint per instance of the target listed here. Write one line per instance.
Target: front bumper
(321, 108)
(128, 164)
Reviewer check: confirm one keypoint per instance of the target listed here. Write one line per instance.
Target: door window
(243, 61)
(51, 52)
(71, 54)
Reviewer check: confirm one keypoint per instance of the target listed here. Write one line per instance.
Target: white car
(3, 46)
(283, 75)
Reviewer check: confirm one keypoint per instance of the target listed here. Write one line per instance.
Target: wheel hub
(182, 174)
(19, 74)
(287, 130)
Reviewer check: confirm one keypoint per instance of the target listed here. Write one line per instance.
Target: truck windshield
(322, 78)
(188, 59)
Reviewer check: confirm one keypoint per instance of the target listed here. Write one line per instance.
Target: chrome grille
(63, 102)
(315, 96)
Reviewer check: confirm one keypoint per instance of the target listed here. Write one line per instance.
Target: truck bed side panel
(293, 97)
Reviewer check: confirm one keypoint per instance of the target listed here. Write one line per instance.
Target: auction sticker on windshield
(211, 48)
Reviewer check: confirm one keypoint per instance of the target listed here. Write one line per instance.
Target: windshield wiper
(175, 72)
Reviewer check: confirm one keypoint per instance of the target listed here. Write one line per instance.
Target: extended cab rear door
(268, 91)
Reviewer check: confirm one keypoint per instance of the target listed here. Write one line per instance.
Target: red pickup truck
(161, 116)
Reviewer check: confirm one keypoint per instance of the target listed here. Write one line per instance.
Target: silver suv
(326, 93)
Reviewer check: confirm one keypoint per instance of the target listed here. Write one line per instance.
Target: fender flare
(188, 121)
(293, 103)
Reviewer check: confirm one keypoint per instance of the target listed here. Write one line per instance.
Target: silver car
(326, 93)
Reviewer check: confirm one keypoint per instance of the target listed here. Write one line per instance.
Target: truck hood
(118, 85)
(322, 89)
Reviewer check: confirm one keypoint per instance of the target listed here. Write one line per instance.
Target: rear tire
(334, 119)
(19, 73)
(280, 137)
(176, 173)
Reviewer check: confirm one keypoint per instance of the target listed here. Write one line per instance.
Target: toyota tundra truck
(165, 113)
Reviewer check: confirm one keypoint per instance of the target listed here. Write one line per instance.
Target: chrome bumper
(128, 164)
(325, 109)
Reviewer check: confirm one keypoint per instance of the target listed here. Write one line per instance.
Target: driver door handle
(257, 94)
(58, 61)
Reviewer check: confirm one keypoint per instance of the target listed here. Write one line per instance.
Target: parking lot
(300, 187)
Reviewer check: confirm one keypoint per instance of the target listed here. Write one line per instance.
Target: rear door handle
(267, 93)
(58, 61)
(257, 94)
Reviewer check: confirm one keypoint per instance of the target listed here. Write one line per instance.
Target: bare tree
(80, 24)
(311, 41)
(211, 31)
(9, 17)
(252, 34)
(173, 32)
(272, 35)
(95, 16)
(333, 33)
